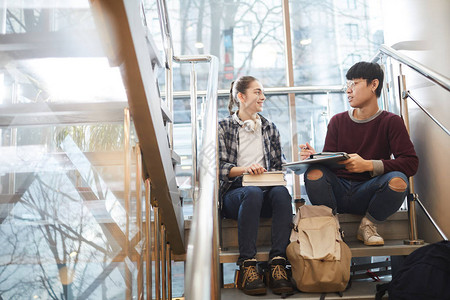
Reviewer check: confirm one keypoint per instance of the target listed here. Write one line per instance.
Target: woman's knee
(253, 194)
(398, 184)
(281, 194)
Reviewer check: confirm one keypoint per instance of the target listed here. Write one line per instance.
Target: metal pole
(140, 275)
(169, 272)
(216, 278)
(193, 89)
(169, 93)
(12, 175)
(439, 230)
(413, 240)
(156, 248)
(292, 107)
(127, 196)
(148, 241)
(384, 90)
(163, 261)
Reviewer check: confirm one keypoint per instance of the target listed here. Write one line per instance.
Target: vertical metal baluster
(193, 89)
(385, 85)
(12, 175)
(291, 97)
(216, 278)
(148, 240)
(169, 272)
(169, 94)
(163, 262)
(127, 184)
(413, 240)
(157, 249)
(140, 275)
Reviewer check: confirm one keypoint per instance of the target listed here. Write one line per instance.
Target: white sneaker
(367, 232)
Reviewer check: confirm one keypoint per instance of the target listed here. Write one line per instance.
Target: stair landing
(359, 290)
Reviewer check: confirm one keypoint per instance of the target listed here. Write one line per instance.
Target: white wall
(422, 30)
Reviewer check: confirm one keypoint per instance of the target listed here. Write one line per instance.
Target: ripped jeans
(373, 198)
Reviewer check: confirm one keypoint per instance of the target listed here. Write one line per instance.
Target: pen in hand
(306, 150)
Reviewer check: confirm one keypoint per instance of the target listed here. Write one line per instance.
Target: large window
(248, 38)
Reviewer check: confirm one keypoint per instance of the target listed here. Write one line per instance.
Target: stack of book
(265, 179)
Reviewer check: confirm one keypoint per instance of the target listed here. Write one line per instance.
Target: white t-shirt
(250, 149)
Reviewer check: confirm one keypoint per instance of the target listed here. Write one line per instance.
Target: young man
(372, 184)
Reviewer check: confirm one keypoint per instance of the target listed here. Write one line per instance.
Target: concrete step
(391, 247)
(361, 290)
(394, 228)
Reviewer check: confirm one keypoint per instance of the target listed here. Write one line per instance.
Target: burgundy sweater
(376, 139)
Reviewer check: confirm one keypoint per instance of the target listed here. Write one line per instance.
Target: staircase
(394, 230)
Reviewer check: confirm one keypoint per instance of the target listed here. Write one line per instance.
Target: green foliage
(91, 138)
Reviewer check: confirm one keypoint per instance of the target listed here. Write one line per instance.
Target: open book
(265, 179)
(329, 159)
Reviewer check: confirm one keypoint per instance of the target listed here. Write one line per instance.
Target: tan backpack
(320, 260)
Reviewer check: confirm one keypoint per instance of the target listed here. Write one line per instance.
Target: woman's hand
(254, 169)
(357, 164)
(305, 151)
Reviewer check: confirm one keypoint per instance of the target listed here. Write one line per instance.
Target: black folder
(329, 159)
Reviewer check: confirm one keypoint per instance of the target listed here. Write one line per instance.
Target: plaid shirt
(228, 150)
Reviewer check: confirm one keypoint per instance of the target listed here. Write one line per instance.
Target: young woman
(250, 143)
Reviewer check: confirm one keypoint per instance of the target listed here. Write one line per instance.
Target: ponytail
(232, 101)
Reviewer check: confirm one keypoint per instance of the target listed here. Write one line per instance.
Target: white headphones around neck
(248, 125)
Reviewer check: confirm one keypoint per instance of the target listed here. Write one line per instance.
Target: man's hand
(357, 164)
(305, 151)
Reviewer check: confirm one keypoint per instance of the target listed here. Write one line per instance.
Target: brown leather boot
(250, 281)
(279, 282)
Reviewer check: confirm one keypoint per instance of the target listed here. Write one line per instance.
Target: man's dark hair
(369, 72)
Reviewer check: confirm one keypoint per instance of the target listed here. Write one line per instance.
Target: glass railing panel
(52, 52)
(45, 16)
(60, 80)
(64, 225)
(62, 212)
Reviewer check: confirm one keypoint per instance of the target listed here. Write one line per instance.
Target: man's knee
(397, 184)
(314, 174)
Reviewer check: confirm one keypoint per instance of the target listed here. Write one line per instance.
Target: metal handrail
(202, 263)
(442, 234)
(193, 58)
(165, 28)
(202, 260)
(408, 94)
(313, 89)
(438, 79)
(433, 76)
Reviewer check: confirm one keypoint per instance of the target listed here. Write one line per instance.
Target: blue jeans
(373, 198)
(247, 204)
